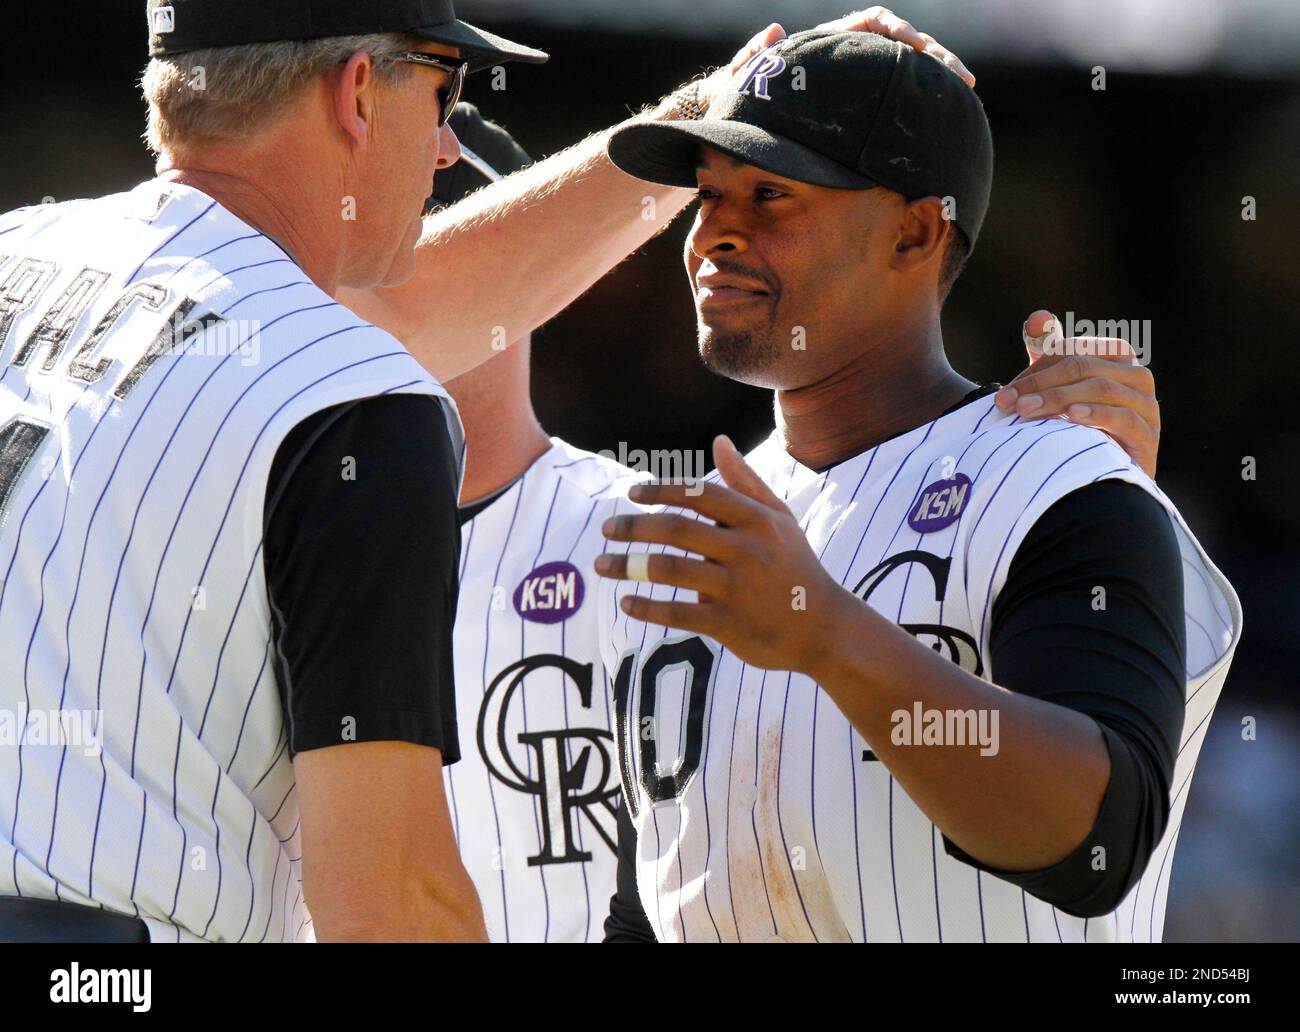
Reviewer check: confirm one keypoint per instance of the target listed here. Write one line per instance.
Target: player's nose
(715, 232)
(448, 147)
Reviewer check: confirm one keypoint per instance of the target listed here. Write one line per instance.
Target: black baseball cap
(178, 26)
(487, 153)
(850, 110)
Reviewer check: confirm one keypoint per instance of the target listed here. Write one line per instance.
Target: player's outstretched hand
(880, 20)
(752, 567)
(1092, 381)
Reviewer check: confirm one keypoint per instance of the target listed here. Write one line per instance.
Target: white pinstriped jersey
(533, 797)
(758, 815)
(154, 351)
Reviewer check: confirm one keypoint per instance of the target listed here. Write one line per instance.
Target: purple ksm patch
(940, 505)
(551, 593)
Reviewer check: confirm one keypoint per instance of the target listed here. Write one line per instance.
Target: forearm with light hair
(508, 258)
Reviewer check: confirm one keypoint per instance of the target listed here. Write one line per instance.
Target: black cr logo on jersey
(955, 645)
(574, 766)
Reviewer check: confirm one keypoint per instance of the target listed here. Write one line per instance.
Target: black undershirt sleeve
(627, 921)
(361, 553)
(1091, 618)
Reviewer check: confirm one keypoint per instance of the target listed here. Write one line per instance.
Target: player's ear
(353, 97)
(923, 228)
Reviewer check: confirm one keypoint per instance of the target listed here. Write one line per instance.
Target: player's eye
(706, 193)
(769, 193)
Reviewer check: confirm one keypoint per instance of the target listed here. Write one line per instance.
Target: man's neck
(864, 403)
(280, 215)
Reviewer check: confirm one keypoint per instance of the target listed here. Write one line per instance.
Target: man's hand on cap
(885, 22)
(880, 20)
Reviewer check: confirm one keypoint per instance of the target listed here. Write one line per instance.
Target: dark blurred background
(1122, 203)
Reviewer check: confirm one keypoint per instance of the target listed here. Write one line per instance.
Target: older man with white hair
(222, 532)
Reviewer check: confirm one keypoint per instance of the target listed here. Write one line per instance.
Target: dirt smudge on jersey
(800, 895)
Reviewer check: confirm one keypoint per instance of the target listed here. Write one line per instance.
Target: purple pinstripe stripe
(564, 650)
(257, 681)
(284, 744)
(753, 821)
(1169, 850)
(285, 910)
(216, 826)
(216, 848)
(893, 870)
(740, 693)
(169, 240)
(934, 867)
(487, 649)
(248, 865)
(654, 817)
(704, 784)
(279, 809)
(4, 585)
(241, 268)
(1109, 472)
(983, 465)
(253, 814)
(681, 751)
(785, 705)
(857, 842)
(451, 771)
(213, 250)
(1197, 692)
(758, 723)
(575, 462)
(185, 835)
(270, 908)
(464, 555)
(523, 651)
(1215, 595)
(704, 795)
(1214, 649)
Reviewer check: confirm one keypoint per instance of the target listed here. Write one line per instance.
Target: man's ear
(353, 97)
(923, 229)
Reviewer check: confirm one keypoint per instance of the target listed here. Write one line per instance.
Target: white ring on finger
(638, 567)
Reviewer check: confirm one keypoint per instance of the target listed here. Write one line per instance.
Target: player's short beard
(743, 355)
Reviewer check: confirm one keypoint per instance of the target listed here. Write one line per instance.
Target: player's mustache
(769, 282)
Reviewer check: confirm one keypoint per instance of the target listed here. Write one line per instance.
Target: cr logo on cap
(164, 19)
(762, 66)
